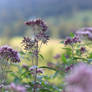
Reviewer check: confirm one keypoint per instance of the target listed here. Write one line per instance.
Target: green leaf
(63, 58)
(41, 56)
(72, 35)
(62, 42)
(48, 68)
(22, 53)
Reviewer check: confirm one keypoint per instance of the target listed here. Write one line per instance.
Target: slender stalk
(36, 63)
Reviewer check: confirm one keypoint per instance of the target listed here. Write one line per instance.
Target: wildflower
(80, 79)
(73, 40)
(33, 68)
(9, 54)
(57, 56)
(43, 37)
(68, 68)
(76, 39)
(28, 43)
(68, 41)
(25, 66)
(38, 24)
(17, 88)
(85, 33)
(82, 49)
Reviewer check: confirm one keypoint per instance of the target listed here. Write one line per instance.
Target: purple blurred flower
(9, 54)
(85, 32)
(80, 79)
(25, 66)
(73, 40)
(68, 41)
(17, 88)
(76, 39)
(82, 49)
(57, 56)
(69, 68)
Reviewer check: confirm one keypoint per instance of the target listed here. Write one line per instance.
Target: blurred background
(62, 16)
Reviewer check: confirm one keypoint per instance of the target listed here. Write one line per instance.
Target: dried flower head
(80, 79)
(17, 88)
(9, 54)
(85, 33)
(37, 24)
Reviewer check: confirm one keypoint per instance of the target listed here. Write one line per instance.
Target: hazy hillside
(14, 12)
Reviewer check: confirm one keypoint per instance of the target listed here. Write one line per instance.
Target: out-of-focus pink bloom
(85, 32)
(17, 88)
(80, 79)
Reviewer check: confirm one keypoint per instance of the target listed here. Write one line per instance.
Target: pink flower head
(80, 79)
(17, 88)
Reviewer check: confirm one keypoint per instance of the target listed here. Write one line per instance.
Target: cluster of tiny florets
(37, 22)
(28, 43)
(39, 29)
(9, 54)
(73, 40)
(43, 37)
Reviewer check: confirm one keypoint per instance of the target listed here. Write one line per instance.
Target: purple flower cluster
(40, 29)
(57, 56)
(69, 68)
(85, 32)
(9, 54)
(28, 43)
(37, 22)
(33, 68)
(82, 50)
(73, 40)
(80, 79)
(17, 88)
(43, 37)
